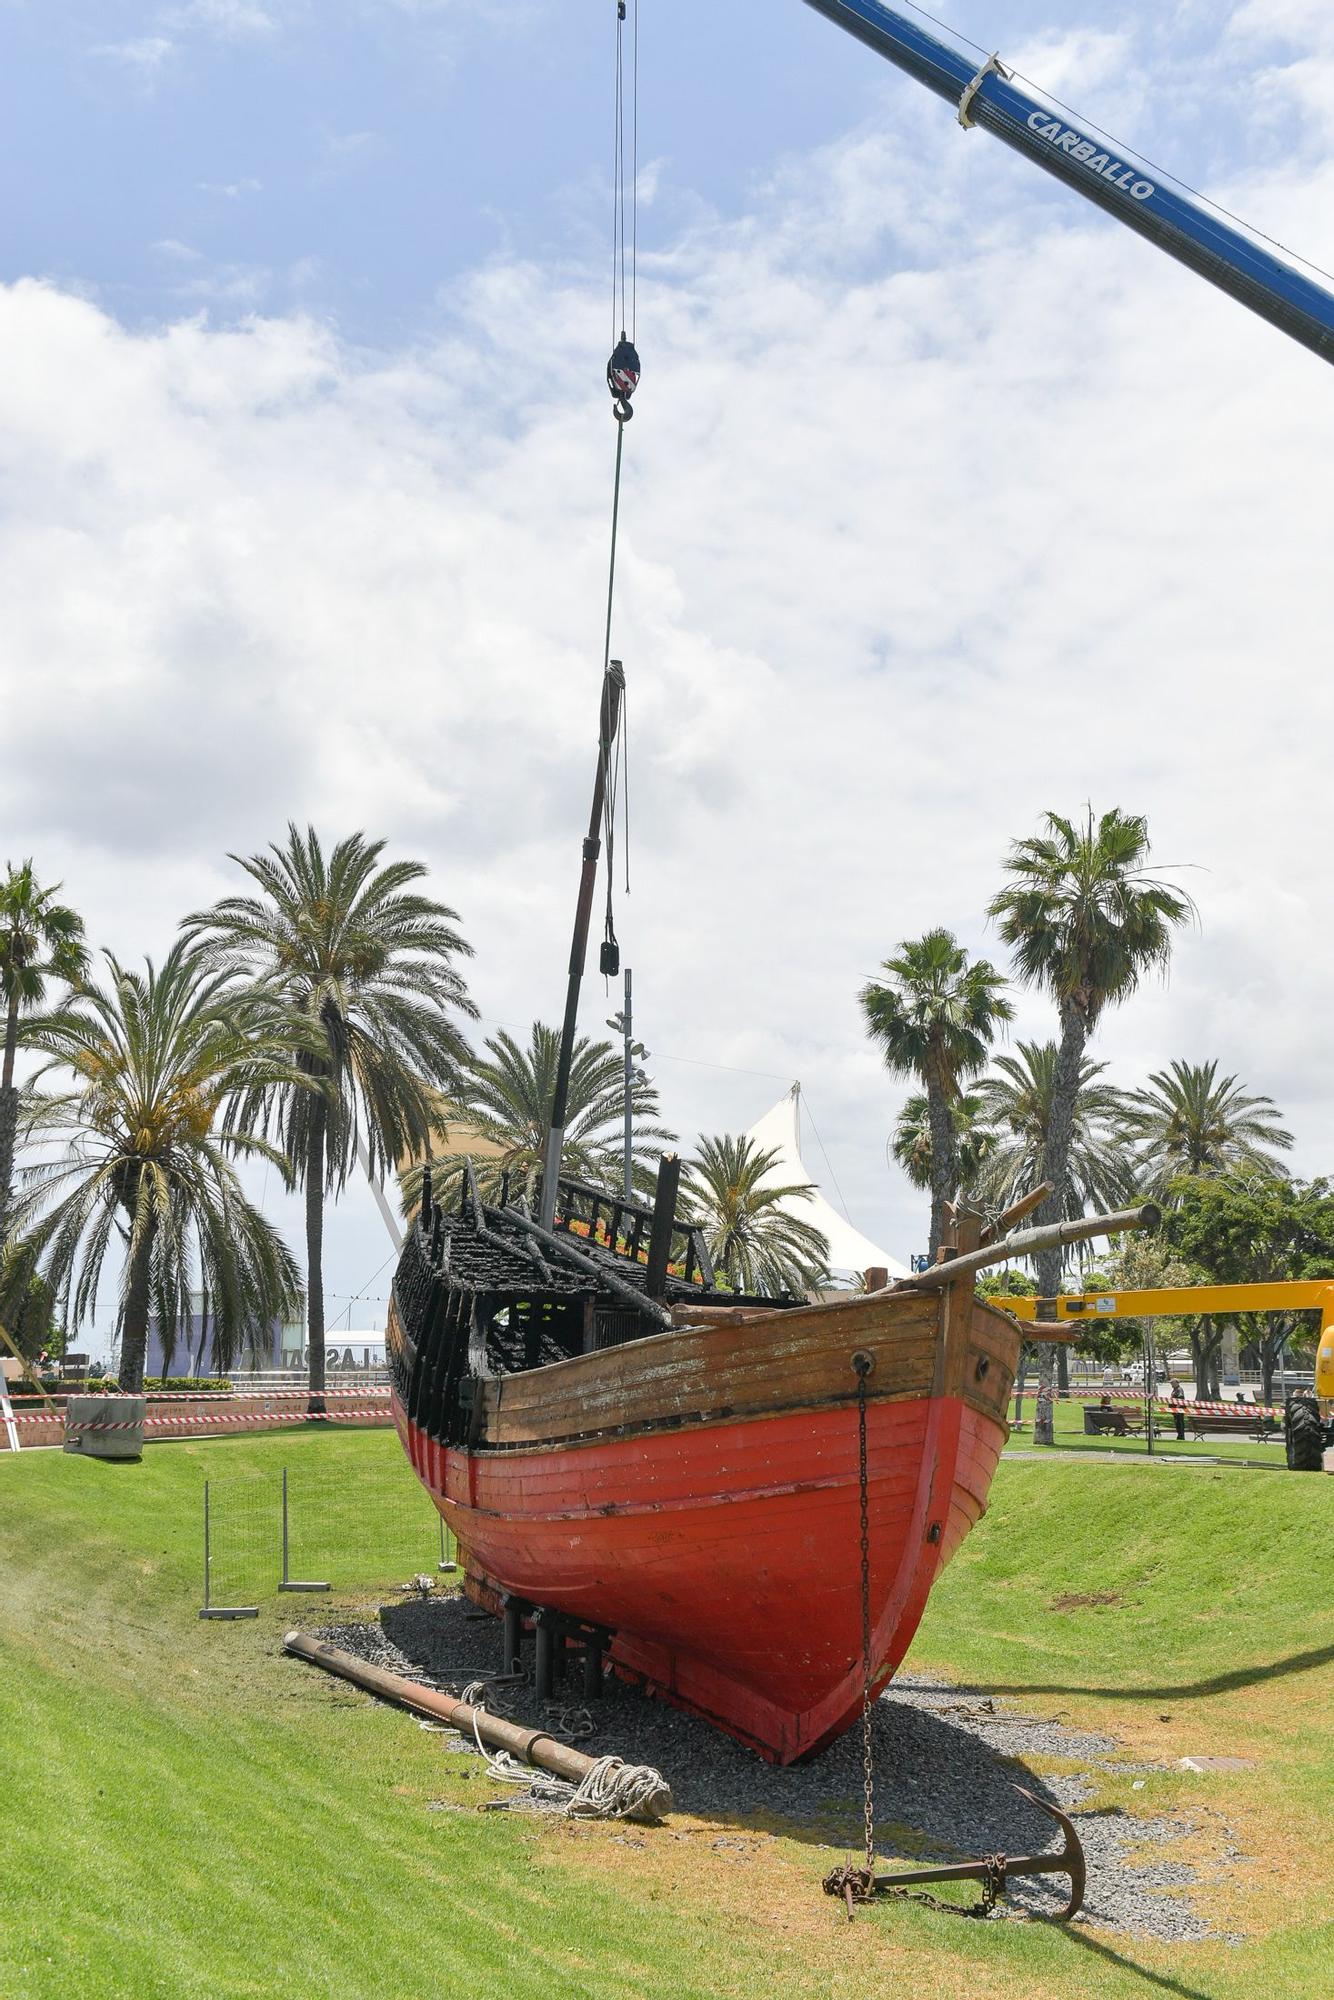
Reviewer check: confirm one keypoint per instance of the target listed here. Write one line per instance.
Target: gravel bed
(945, 1766)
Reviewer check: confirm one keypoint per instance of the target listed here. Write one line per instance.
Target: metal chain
(858, 1886)
(861, 1363)
(855, 1887)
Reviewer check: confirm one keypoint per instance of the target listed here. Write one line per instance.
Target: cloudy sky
(947, 501)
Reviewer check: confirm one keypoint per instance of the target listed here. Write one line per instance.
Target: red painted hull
(726, 1558)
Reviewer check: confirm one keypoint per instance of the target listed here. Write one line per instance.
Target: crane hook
(623, 377)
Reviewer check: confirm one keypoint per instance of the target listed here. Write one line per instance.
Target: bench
(1114, 1423)
(1246, 1423)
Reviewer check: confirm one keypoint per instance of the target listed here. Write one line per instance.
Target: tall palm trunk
(942, 1152)
(1055, 1168)
(9, 1110)
(315, 1254)
(134, 1329)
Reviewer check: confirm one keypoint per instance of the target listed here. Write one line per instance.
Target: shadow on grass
(941, 1791)
(942, 1788)
(1124, 1964)
(1229, 1683)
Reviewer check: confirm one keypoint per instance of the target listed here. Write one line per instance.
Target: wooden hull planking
(697, 1494)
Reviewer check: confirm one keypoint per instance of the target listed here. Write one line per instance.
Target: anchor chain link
(860, 1884)
(862, 1364)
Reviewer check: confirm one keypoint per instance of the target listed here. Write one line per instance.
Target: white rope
(612, 1789)
(616, 1790)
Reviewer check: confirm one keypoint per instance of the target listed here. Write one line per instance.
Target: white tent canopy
(849, 1250)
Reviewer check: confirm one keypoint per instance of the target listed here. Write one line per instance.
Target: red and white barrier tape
(1136, 1396)
(1082, 1395)
(245, 1417)
(179, 1423)
(1249, 1411)
(222, 1396)
(1222, 1409)
(270, 1417)
(257, 1395)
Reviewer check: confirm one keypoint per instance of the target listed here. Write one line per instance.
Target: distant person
(1178, 1401)
(1108, 1376)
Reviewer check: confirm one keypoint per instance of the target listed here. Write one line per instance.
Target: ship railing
(613, 1222)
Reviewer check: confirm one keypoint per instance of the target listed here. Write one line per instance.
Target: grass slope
(1071, 1436)
(184, 1812)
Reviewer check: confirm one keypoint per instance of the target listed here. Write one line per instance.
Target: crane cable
(623, 372)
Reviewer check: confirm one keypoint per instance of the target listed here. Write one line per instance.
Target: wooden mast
(613, 686)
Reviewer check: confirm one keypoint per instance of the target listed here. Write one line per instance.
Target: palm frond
(1190, 1120)
(755, 1242)
(136, 1150)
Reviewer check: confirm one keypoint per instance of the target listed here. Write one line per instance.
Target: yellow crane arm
(1174, 1301)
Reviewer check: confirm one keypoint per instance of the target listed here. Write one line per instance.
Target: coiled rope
(612, 1789)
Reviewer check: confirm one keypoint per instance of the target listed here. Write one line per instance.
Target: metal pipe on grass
(530, 1746)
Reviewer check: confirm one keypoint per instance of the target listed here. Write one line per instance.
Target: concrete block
(106, 1426)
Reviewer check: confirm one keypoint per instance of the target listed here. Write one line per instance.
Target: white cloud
(1304, 21)
(1078, 59)
(232, 190)
(939, 510)
(231, 20)
(346, 145)
(145, 54)
(1300, 86)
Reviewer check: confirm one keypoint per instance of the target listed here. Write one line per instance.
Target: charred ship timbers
(484, 1294)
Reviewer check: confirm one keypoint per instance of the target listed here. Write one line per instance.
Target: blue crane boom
(1185, 227)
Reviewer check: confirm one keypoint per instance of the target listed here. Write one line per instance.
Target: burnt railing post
(664, 1223)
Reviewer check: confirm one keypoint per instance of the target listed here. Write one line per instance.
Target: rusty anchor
(859, 1885)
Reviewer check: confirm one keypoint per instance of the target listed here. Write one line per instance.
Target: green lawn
(1070, 1436)
(185, 1812)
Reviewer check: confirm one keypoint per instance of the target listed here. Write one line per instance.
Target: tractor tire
(1305, 1435)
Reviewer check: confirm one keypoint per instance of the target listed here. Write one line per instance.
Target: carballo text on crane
(1183, 224)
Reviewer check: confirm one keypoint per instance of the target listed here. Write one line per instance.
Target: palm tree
(364, 968)
(1016, 1100)
(1189, 1120)
(1086, 923)
(136, 1148)
(934, 1019)
(910, 1141)
(755, 1244)
(505, 1097)
(40, 939)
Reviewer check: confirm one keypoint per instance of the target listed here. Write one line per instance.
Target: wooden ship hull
(693, 1493)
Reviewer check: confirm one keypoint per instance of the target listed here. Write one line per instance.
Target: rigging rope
(623, 372)
(624, 289)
